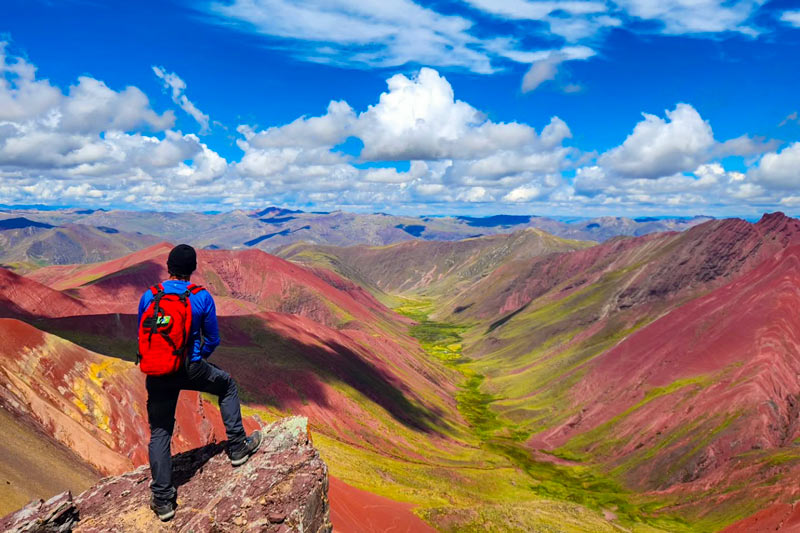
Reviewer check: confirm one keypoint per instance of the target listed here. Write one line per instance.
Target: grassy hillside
(429, 268)
(35, 465)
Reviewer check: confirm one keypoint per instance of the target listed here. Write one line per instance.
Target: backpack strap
(185, 296)
(158, 293)
(194, 289)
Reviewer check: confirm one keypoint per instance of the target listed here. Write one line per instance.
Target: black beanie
(182, 260)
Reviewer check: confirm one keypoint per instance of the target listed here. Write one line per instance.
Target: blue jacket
(204, 335)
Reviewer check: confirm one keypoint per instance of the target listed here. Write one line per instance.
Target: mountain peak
(283, 487)
(22, 222)
(275, 211)
(779, 224)
(772, 219)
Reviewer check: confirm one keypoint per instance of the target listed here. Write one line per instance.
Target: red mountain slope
(295, 340)
(243, 282)
(348, 515)
(92, 403)
(71, 276)
(781, 517)
(20, 296)
(726, 365)
(668, 362)
(655, 267)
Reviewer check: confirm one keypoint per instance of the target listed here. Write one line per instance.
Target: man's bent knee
(223, 382)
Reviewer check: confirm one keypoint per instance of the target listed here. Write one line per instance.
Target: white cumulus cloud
(93, 144)
(523, 193)
(779, 169)
(456, 154)
(659, 147)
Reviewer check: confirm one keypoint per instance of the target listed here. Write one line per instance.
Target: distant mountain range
(27, 244)
(428, 268)
(30, 237)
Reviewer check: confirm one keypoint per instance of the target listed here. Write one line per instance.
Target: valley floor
(492, 482)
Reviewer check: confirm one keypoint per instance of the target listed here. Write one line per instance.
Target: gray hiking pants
(162, 398)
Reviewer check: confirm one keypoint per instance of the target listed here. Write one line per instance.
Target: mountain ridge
(385, 414)
(429, 267)
(272, 228)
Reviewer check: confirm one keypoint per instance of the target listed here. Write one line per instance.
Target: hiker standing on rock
(177, 333)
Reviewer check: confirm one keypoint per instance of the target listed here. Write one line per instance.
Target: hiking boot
(164, 509)
(240, 455)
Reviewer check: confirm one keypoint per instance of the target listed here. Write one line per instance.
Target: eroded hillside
(665, 364)
(523, 381)
(384, 413)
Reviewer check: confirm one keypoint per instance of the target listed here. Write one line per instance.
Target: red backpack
(164, 331)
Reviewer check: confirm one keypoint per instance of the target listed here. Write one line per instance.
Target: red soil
(743, 343)
(665, 265)
(243, 282)
(356, 511)
(779, 517)
(92, 403)
(21, 297)
(332, 353)
(62, 277)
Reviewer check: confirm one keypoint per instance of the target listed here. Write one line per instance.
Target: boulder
(282, 488)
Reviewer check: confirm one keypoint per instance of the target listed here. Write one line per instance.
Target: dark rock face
(56, 515)
(282, 488)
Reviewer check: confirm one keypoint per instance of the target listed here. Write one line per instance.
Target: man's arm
(143, 303)
(210, 328)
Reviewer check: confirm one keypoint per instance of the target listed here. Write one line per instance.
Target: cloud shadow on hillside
(272, 369)
(303, 367)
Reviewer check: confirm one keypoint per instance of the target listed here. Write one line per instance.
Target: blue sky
(517, 106)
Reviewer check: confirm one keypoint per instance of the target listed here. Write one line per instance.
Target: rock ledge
(282, 488)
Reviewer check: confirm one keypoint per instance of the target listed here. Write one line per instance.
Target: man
(194, 373)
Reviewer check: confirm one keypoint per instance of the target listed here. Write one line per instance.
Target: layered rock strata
(282, 488)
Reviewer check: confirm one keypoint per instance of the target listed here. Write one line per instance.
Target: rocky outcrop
(283, 488)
